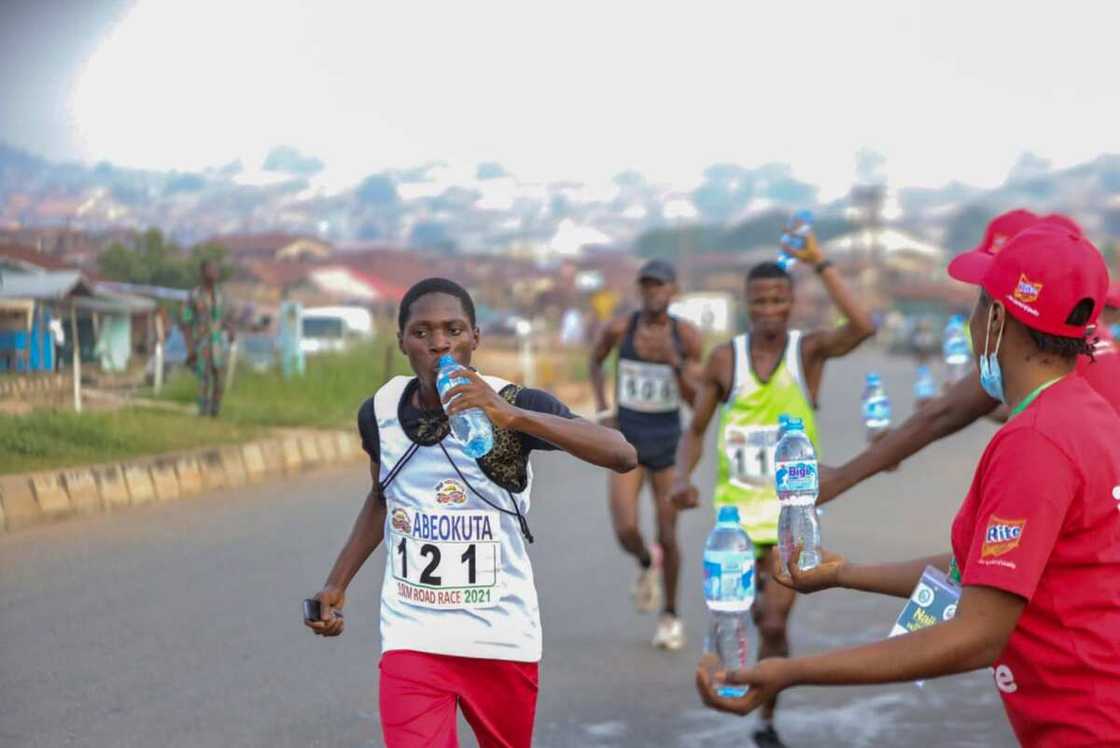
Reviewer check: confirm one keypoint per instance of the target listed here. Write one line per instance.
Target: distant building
(274, 246)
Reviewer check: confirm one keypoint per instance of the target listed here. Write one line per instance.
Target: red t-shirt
(1103, 373)
(1042, 521)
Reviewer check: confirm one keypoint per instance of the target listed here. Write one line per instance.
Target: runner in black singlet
(656, 354)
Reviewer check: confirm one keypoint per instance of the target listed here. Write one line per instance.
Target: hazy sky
(566, 90)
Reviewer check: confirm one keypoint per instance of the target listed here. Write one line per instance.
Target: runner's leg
(499, 701)
(416, 703)
(624, 491)
(771, 614)
(662, 482)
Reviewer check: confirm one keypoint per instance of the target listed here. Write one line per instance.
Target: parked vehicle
(334, 328)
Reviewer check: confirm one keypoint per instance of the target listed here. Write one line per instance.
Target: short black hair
(768, 270)
(1059, 345)
(1062, 346)
(434, 285)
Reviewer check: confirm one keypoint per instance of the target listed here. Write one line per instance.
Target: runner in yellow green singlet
(752, 380)
(748, 433)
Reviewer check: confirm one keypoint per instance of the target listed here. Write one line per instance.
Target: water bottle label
(934, 600)
(877, 410)
(728, 580)
(797, 476)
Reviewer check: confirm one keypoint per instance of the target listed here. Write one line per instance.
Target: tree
(154, 261)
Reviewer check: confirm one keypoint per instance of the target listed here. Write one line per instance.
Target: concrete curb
(45, 496)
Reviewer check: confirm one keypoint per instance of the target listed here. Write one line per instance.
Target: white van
(334, 328)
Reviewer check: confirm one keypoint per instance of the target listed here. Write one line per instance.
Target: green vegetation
(53, 439)
(155, 261)
(328, 396)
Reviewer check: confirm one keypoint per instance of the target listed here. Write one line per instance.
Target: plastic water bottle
(955, 348)
(729, 593)
(798, 486)
(925, 387)
(471, 427)
(794, 237)
(876, 406)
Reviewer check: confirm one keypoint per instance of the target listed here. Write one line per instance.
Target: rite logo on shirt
(1002, 536)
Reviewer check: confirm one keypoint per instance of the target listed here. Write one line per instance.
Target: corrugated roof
(52, 286)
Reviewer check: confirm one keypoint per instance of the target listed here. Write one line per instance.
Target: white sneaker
(647, 590)
(670, 633)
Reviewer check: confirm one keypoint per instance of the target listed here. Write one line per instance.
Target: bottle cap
(794, 424)
(872, 378)
(447, 360)
(728, 514)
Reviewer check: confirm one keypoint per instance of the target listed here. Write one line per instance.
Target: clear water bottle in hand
(794, 238)
(925, 386)
(729, 593)
(875, 406)
(471, 427)
(956, 350)
(797, 482)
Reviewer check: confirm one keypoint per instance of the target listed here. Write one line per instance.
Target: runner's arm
(588, 441)
(710, 394)
(689, 370)
(964, 403)
(858, 327)
(606, 342)
(365, 536)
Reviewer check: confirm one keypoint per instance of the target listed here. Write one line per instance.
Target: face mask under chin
(991, 376)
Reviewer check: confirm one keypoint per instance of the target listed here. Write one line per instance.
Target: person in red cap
(1110, 319)
(965, 401)
(1036, 542)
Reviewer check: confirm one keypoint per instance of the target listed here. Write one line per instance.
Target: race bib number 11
(446, 559)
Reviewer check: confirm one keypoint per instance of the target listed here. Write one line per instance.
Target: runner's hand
(823, 576)
(330, 623)
(765, 681)
(811, 253)
(477, 394)
(684, 495)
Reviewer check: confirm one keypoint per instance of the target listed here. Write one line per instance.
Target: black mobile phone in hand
(312, 610)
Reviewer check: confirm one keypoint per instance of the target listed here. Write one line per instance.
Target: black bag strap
(412, 447)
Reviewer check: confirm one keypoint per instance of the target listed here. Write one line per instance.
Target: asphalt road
(179, 624)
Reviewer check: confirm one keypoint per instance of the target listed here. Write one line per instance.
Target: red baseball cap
(1001, 228)
(1063, 221)
(1041, 274)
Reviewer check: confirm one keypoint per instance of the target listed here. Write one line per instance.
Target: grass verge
(328, 396)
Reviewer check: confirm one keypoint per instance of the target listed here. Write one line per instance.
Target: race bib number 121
(446, 559)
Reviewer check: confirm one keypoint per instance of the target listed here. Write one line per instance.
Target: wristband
(821, 266)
